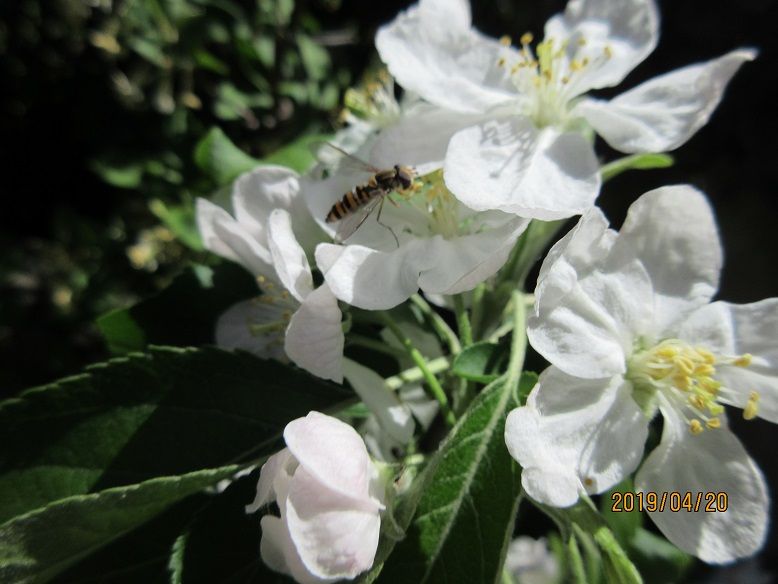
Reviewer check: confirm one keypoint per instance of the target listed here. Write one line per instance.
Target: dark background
(58, 218)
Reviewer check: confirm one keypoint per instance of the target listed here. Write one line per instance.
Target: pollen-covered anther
(743, 360)
(505, 41)
(696, 427)
(713, 423)
(752, 406)
(526, 39)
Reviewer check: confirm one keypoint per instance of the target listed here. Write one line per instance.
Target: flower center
(373, 101)
(685, 376)
(279, 306)
(545, 77)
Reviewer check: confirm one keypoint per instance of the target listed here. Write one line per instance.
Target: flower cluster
(439, 192)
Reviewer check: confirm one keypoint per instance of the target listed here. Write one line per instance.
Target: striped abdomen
(354, 200)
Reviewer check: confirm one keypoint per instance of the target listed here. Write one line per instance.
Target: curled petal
(332, 452)
(289, 259)
(227, 238)
(314, 338)
(334, 537)
(711, 462)
(279, 554)
(274, 466)
(663, 113)
(612, 37)
(509, 165)
(431, 50)
(575, 434)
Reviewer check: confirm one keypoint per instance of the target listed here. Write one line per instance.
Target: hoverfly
(353, 209)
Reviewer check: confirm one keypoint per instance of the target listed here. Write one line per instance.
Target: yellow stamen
(505, 40)
(713, 423)
(526, 38)
(695, 427)
(752, 406)
(744, 360)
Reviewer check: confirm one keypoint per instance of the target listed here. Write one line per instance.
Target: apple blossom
(626, 322)
(523, 145)
(329, 494)
(427, 240)
(290, 318)
(529, 561)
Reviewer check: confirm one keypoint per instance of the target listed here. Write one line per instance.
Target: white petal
(508, 164)
(395, 418)
(272, 467)
(419, 139)
(314, 337)
(735, 329)
(370, 279)
(334, 537)
(711, 462)
(289, 259)
(279, 554)
(459, 264)
(586, 322)
(629, 29)
(234, 328)
(574, 435)
(663, 113)
(673, 233)
(431, 50)
(331, 451)
(227, 238)
(255, 195)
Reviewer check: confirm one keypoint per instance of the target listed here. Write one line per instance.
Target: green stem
(519, 344)
(435, 390)
(463, 320)
(414, 374)
(476, 309)
(438, 324)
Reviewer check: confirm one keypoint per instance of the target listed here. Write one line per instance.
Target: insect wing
(350, 223)
(334, 157)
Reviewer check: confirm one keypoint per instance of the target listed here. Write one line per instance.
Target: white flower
(626, 323)
(526, 149)
(529, 561)
(330, 498)
(427, 240)
(290, 318)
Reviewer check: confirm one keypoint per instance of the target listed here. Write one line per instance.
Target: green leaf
(127, 175)
(181, 220)
(165, 413)
(624, 524)
(481, 362)
(38, 545)
(299, 154)
(659, 561)
(466, 513)
(222, 544)
(315, 58)
(635, 162)
(184, 314)
(220, 159)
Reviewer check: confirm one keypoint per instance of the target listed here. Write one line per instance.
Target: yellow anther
(704, 369)
(698, 402)
(526, 38)
(581, 42)
(667, 352)
(565, 80)
(575, 66)
(706, 355)
(505, 40)
(501, 62)
(716, 409)
(516, 68)
(682, 382)
(752, 406)
(744, 360)
(695, 427)
(710, 385)
(684, 364)
(585, 62)
(713, 423)
(588, 481)
(261, 279)
(607, 51)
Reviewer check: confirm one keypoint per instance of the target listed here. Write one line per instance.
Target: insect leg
(378, 220)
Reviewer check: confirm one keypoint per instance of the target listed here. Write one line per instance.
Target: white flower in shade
(425, 239)
(625, 320)
(290, 318)
(529, 561)
(526, 148)
(330, 498)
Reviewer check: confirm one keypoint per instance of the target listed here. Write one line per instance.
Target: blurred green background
(104, 102)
